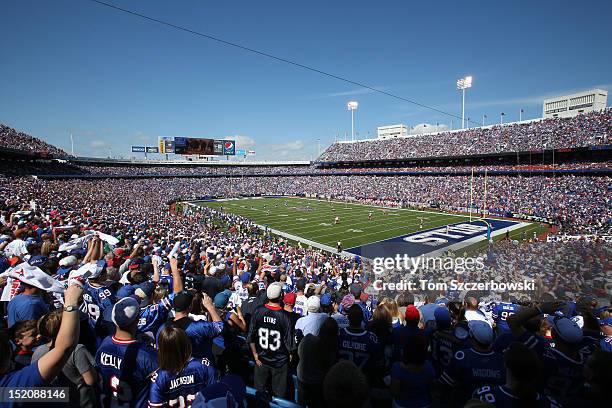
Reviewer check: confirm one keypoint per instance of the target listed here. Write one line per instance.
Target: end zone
(435, 241)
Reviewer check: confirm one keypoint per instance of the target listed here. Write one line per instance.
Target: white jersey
(300, 305)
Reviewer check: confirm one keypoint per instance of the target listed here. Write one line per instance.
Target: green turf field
(317, 222)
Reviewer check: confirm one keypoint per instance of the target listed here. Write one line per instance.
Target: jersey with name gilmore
(361, 347)
(179, 390)
(126, 367)
(272, 332)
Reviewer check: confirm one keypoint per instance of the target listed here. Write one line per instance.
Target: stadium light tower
(352, 106)
(462, 85)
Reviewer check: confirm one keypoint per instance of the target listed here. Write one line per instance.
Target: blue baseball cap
(147, 289)
(38, 260)
(481, 332)
(225, 280)
(221, 299)
(607, 321)
(443, 317)
(245, 277)
(62, 270)
(567, 329)
(326, 299)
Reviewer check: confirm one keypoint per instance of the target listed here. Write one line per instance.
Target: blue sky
(114, 80)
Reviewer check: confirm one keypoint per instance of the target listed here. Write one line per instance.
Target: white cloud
(242, 142)
(351, 92)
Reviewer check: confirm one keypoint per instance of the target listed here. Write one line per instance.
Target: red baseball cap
(412, 313)
(289, 298)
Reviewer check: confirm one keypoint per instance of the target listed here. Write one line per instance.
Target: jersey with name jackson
(179, 390)
(272, 332)
(126, 367)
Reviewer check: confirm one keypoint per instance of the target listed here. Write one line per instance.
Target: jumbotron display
(205, 147)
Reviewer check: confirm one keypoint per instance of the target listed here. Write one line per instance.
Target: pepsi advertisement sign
(229, 148)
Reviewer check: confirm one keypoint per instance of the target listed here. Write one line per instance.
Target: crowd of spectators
(13, 139)
(267, 170)
(193, 307)
(61, 167)
(109, 293)
(593, 129)
(578, 204)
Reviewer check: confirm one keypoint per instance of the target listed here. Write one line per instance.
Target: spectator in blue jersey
(317, 354)
(311, 323)
(502, 311)
(156, 303)
(474, 367)
(400, 335)
(444, 342)
(342, 308)
(125, 364)
(180, 376)
(25, 336)
(563, 363)
(361, 346)
(598, 377)
(134, 276)
(606, 327)
(521, 389)
(99, 295)
(356, 289)
(201, 333)
(413, 377)
(40, 372)
(230, 348)
(28, 305)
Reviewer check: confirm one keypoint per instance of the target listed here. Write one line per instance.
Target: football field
(314, 221)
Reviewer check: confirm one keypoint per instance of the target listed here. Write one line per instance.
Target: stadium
(412, 268)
